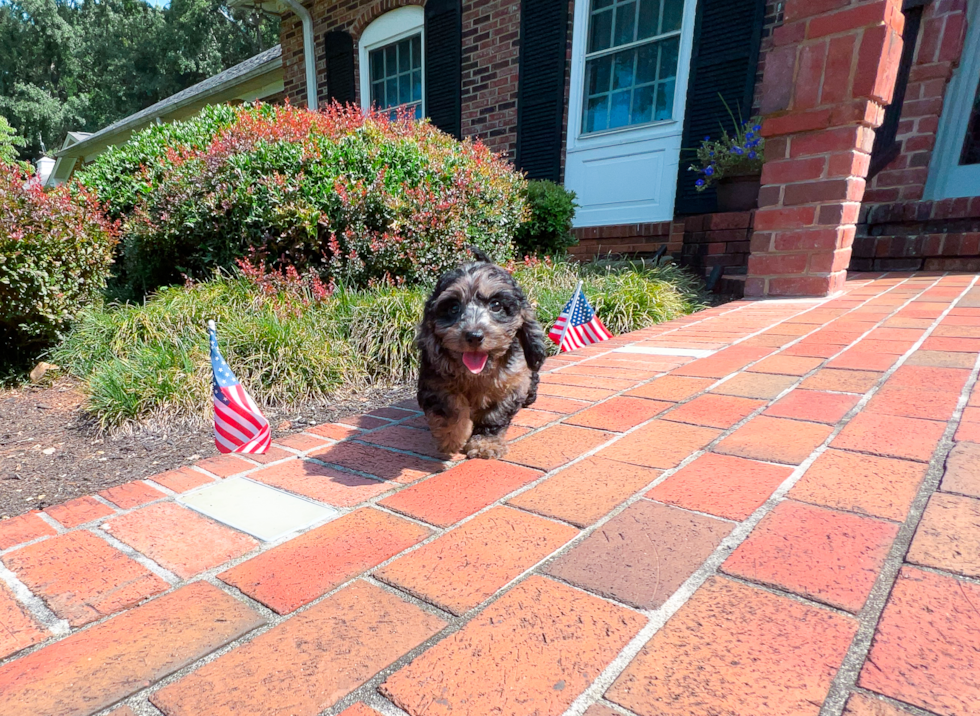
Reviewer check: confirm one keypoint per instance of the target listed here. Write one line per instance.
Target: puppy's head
(475, 314)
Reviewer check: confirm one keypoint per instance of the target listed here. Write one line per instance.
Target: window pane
(668, 58)
(377, 61)
(597, 75)
(665, 100)
(404, 88)
(673, 12)
(646, 63)
(391, 60)
(619, 112)
(623, 69)
(417, 51)
(405, 56)
(971, 143)
(601, 30)
(391, 92)
(416, 85)
(649, 19)
(596, 113)
(642, 104)
(625, 24)
(378, 94)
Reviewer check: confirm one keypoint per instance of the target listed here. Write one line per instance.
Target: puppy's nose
(474, 337)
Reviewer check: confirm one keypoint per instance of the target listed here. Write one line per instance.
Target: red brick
(555, 446)
(756, 385)
(724, 362)
(297, 572)
(955, 345)
(464, 567)
(929, 378)
(334, 431)
(574, 392)
(556, 638)
(81, 577)
(813, 406)
(78, 511)
(131, 494)
(888, 436)
(790, 170)
(376, 461)
(661, 444)
(855, 359)
(306, 664)
(534, 418)
(321, 483)
(401, 437)
(733, 649)
(302, 441)
(445, 499)
(173, 537)
(948, 536)
(910, 403)
(728, 487)
(600, 710)
(825, 555)
(23, 528)
(96, 668)
(714, 411)
(870, 485)
(775, 440)
(224, 465)
(364, 422)
(786, 365)
(924, 651)
(968, 431)
(860, 705)
(896, 348)
(643, 555)
(586, 491)
(18, 629)
(182, 479)
(672, 388)
(844, 381)
(963, 470)
(393, 413)
(618, 414)
(588, 381)
(559, 405)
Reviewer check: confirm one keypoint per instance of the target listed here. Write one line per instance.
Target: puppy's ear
(532, 340)
(479, 254)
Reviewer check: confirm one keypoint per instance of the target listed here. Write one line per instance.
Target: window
(391, 63)
(631, 62)
(971, 142)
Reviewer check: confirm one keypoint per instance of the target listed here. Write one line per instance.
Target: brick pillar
(827, 81)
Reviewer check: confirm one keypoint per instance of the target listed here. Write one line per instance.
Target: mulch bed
(51, 451)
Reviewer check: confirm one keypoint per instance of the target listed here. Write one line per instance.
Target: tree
(83, 64)
(9, 141)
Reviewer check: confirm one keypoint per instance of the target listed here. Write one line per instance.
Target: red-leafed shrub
(55, 252)
(360, 199)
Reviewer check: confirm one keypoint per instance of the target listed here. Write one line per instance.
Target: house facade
(871, 115)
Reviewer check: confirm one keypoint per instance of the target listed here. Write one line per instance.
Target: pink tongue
(475, 361)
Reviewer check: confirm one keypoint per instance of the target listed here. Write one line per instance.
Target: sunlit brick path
(764, 509)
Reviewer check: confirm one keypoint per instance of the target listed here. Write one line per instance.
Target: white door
(630, 61)
(955, 167)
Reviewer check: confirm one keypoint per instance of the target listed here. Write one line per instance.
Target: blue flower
(738, 150)
(711, 154)
(756, 128)
(699, 182)
(752, 155)
(749, 134)
(709, 170)
(707, 139)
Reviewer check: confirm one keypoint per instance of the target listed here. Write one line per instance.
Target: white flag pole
(568, 320)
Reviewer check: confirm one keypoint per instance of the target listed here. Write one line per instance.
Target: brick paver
(696, 497)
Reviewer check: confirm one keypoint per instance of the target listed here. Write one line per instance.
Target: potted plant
(732, 163)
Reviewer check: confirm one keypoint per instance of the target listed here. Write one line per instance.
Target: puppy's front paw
(487, 448)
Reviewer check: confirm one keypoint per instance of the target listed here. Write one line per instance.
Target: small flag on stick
(239, 425)
(578, 326)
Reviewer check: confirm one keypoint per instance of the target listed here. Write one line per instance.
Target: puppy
(481, 349)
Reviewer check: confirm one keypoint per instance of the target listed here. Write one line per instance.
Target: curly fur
(477, 307)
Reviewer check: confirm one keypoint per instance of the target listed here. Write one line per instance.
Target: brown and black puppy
(481, 351)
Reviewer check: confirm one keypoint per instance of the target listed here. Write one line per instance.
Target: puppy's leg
(449, 420)
(490, 427)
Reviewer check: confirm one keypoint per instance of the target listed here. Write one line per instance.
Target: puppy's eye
(496, 306)
(454, 309)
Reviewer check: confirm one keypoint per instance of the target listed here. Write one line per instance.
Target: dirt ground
(50, 451)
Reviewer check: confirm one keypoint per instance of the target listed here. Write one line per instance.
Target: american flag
(583, 328)
(239, 425)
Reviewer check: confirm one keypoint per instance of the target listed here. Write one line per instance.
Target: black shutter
(541, 93)
(443, 64)
(339, 50)
(724, 62)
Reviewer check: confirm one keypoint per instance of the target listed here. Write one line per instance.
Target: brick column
(827, 81)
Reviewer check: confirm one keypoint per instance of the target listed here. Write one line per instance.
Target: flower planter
(738, 193)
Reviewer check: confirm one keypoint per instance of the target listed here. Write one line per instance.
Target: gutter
(308, 50)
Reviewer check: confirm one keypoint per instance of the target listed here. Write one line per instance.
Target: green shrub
(289, 342)
(548, 232)
(361, 198)
(55, 251)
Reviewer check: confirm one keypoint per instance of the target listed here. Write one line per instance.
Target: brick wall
(632, 239)
(722, 239)
(773, 19)
(937, 53)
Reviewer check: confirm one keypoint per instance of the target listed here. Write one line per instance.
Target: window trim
(393, 26)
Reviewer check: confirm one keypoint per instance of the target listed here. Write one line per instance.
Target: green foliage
(55, 251)
(361, 198)
(9, 141)
(83, 64)
(549, 230)
(738, 154)
(289, 344)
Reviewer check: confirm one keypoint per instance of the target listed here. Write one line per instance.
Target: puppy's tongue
(474, 361)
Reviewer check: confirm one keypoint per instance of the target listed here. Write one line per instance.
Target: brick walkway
(766, 508)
